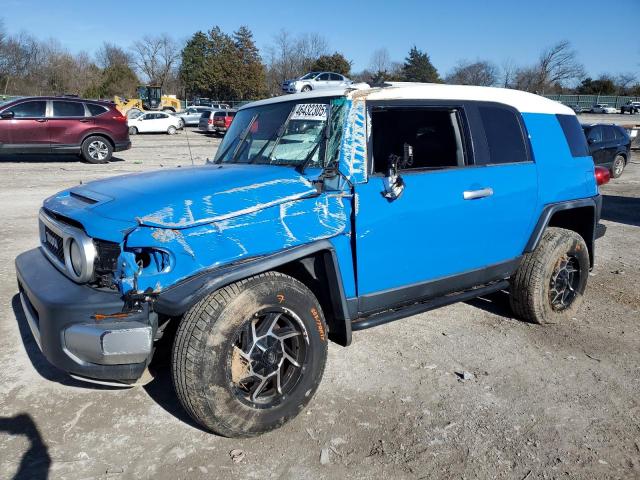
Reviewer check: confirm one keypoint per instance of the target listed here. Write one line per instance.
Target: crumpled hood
(179, 198)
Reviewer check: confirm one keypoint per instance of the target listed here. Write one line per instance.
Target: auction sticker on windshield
(310, 111)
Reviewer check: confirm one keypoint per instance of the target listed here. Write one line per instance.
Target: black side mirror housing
(6, 115)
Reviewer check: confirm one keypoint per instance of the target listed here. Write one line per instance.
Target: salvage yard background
(542, 402)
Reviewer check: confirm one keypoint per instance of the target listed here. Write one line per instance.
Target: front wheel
(249, 357)
(550, 281)
(96, 150)
(618, 166)
(171, 130)
(306, 88)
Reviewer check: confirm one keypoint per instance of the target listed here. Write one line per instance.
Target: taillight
(602, 175)
(210, 121)
(119, 118)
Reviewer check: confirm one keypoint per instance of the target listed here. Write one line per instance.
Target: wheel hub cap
(268, 357)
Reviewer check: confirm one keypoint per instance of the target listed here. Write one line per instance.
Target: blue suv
(322, 213)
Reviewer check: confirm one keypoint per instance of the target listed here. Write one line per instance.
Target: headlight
(75, 255)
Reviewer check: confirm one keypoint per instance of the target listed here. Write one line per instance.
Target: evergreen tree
(194, 72)
(418, 68)
(250, 77)
(332, 63)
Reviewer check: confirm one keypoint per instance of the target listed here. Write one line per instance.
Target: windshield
(286, 133)
(309, 76)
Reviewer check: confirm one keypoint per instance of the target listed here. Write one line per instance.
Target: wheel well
(106, 137)
(579, 220)
(314, 273)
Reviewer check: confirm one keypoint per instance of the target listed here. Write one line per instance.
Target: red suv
(90, 128)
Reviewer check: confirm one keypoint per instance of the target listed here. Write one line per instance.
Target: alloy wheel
(564, 282)
(98, 150)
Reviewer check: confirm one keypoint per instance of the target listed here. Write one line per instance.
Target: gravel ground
(544, 402)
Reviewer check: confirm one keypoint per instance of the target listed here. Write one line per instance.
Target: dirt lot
(556, 402)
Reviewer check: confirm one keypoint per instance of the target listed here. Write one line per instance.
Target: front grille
(54, 243)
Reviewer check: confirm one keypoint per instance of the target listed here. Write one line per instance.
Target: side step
(415, 308)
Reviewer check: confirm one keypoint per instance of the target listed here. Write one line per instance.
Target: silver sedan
(315, 81)
(191, 116)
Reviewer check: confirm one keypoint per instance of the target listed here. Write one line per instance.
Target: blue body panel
(432, 232)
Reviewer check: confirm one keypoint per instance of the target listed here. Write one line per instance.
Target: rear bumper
(61, 316)
(120, 146)
(206, 128)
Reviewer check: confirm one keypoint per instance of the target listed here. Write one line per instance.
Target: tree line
(229, 66)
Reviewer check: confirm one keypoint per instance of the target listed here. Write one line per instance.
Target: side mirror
(393, 182)
(6, 115)
(591, 140)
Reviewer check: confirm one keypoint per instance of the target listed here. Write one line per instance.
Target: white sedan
(603, 108)
(154, 122)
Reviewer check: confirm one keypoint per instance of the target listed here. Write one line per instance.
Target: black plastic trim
(595, 202)
(416, 308)
(397, 297)
(177, 299)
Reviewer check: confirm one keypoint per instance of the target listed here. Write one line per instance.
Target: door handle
(85, 120)
(473, 194)
(41, 120)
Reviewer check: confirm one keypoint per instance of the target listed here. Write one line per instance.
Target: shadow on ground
(35, 463)
(621, 209)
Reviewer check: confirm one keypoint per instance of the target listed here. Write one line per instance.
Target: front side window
(68, 109)
(285, 133)
(424, 137)
(323, 77)
(33, 109)
(505, 139)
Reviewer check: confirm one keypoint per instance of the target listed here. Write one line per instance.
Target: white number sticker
(310, 111)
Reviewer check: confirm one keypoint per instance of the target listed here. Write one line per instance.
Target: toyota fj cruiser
(322, 214)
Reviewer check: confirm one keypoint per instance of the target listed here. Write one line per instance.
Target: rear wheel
(133, 131)
(618, 166)
(96, 150)
(249, 357)
(550, 282)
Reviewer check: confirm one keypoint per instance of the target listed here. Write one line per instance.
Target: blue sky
(448, 30)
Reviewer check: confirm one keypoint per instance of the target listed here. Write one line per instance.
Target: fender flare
(177, 299)
(549, 210)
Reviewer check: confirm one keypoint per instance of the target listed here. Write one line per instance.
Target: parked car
(575, 107)
(191, 116)
(315, 81)
(89, 128)
(155, 122)
(602, 108)
(252, 260)
(216, 121)
(630, 107)
(609, 145)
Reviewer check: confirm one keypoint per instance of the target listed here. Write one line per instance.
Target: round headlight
(75, 254)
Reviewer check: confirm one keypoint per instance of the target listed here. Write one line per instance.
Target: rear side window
(336, 77)
(29, 109)
(96, 109)
(205, 115)
(609, 136)
(574, 134)
(68, 109)
(505, 139)
(594, 134)
(621, 134)
(219, 115)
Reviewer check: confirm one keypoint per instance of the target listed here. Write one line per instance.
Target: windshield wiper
(241, 138)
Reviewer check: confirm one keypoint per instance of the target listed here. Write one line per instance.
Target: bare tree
(110, 55)
(289, 56)
(18, 59)
(380, 61)
(625, 81)
(156, 57)
(480, 72)
(509, 70)
(559, 64)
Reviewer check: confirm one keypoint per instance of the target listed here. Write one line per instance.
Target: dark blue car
(609, 145)
(323, 213)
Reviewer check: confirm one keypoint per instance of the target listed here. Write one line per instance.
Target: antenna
(186, 132)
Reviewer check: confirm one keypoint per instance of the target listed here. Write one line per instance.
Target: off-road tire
(133, 131)
(96, 149)
(530, 292)
(203, 348)
(617, 167)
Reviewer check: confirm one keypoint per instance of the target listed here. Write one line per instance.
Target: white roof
(522, 101)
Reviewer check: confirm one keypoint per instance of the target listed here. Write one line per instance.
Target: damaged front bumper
(82, 330)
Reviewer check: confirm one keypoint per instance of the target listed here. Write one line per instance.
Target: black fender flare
(549, 210)
(177, 299)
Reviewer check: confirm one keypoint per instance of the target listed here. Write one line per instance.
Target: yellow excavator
(150, 97)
